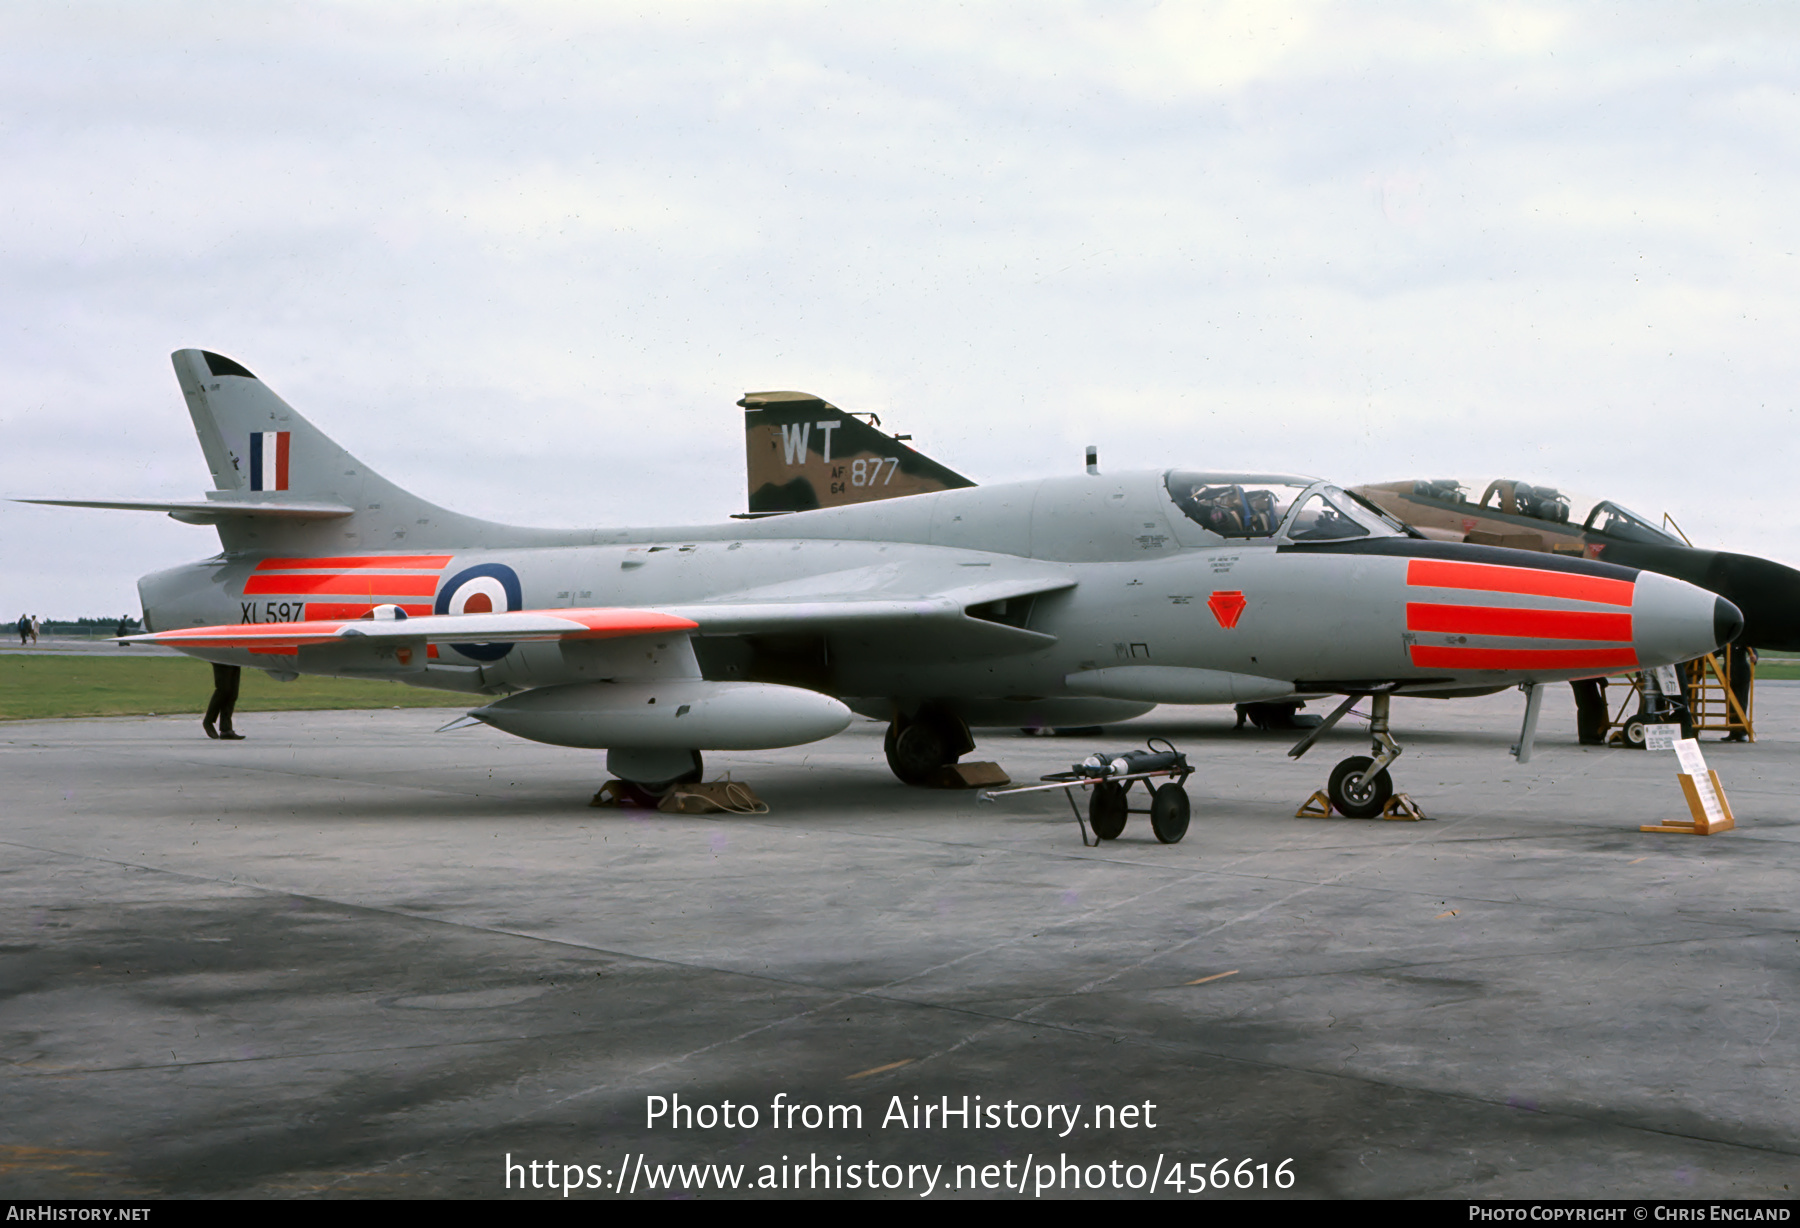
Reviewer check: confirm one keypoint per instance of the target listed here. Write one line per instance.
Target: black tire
(1634, 733)
(646, 793)
(1364, 802)
(657, 788)
(1106, 810)
(1169, 813)
(916, 751)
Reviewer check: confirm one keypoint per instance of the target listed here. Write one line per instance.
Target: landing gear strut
(918, 747)
(1360, 786)
(644, 775)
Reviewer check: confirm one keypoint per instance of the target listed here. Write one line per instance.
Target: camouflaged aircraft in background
(802, 452)
(1067, 600)
(1528, 516)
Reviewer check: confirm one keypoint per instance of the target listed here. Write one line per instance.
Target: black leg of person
(223, 703)
(1590, 711)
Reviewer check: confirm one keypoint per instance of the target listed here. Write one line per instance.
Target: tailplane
(280, 483)
(264, 454)
(802, 452)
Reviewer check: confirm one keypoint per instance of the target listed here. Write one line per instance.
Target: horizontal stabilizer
(513, 627)
(195, 511)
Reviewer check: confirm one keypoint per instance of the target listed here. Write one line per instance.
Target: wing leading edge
(513, 627)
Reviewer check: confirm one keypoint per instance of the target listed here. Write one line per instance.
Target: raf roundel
(490, 588)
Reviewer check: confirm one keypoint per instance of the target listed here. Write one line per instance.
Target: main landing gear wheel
(1107, 811)
(915, 752)
(1169, 813)
(1356, 798)
(646, 793)
(919, 748)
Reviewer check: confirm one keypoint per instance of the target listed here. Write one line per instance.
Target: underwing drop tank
(688, 714)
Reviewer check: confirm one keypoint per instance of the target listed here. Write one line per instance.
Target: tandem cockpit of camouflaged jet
(1069, 600)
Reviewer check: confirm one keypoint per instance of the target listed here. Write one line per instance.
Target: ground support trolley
(1110, 805)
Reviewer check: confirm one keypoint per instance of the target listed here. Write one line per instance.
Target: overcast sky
(524, 258)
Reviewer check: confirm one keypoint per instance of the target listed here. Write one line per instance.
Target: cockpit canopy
(1266, 505)
(1511, 497)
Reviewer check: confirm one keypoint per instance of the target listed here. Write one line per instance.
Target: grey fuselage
(1114, 578)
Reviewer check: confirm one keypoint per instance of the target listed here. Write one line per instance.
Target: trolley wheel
(1359, 801)
(1634, 733)
(1169, 813)
(1107, 811)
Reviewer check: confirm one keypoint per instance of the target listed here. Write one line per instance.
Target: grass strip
(35, 688)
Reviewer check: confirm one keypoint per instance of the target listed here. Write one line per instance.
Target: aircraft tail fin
(802, 452)
(279, 482)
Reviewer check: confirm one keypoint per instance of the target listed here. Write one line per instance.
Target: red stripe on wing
(259, 637)
(1502, 620)
(253, 635)
(604, 624)
(1490, 578)
(1431, 657)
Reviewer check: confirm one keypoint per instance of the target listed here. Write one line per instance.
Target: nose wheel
(1357, 789)
(1360, 787)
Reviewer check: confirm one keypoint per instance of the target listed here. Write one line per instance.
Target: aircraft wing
(896, 599)
(889, 600)
(513, 626)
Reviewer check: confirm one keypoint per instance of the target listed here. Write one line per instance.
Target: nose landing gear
(1360, 787)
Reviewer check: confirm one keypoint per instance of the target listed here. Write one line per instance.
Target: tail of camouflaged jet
(802, 453)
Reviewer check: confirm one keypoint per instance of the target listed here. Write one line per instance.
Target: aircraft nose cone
(1675, 621)
(1728, 621)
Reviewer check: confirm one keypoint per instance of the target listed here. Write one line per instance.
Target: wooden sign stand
(1702, 825)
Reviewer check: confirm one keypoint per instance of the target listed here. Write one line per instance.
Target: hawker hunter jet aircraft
(1073, 600)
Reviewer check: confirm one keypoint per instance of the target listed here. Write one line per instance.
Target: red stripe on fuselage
(1504, 620)
(354, 609)
(1429, 657)
(367, 585)
(1490, 578)
(433, 562)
